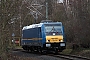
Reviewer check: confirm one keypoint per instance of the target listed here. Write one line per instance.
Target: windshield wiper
(53, 29)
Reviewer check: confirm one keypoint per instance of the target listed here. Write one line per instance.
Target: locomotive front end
(55, 37)
(55, 43)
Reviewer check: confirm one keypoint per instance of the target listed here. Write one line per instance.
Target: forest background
(74, 14)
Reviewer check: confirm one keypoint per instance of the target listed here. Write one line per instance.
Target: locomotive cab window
(53, 28)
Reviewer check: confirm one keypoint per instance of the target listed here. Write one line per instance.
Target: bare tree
(78, 15)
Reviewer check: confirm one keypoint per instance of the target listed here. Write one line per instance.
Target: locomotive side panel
(32, 37)
(32, 33)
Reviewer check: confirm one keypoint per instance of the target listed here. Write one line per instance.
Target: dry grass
(66, 51)
(85, 53)
(79, 52)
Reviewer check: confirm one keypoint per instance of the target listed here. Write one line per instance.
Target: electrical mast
(46, 9)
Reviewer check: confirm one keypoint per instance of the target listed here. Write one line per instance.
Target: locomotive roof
(37, 25)
(32, 26)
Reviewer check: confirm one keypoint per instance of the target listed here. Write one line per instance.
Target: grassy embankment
(78, 51)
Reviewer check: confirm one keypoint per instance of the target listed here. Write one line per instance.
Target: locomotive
(43, 37)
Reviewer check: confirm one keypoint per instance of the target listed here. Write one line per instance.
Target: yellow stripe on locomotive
(33, 39)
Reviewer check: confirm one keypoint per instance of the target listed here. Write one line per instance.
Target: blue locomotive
(45, 36)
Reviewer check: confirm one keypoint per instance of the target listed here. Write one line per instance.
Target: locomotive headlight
(47, 40)
(48, 45)
(62, 44)
(61, 40)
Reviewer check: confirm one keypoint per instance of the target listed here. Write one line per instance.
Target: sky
(60, 1)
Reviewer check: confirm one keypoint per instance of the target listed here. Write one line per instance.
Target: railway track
(69, 57)
(62, 56)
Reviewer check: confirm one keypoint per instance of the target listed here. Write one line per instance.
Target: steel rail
(69, 57)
